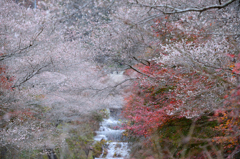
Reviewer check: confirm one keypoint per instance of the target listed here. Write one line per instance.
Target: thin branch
(178, 10)
(142, 61)
(207, 152)
(20, 50)
(188, 138)
(106, 88)
(138, 71)
(148, 18)
(213, 67)
(30, 75)
(206, 72)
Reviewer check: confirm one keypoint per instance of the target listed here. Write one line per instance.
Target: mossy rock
(100, 115)
(116, 155)
(98, 148)
(105, 113)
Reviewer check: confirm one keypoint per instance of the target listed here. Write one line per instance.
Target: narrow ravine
(110, 130)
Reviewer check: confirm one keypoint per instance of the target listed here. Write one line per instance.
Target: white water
(116, 148)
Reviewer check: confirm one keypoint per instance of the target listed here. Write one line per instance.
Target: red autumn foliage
(165, 94)
(5, 80)
(169, 31)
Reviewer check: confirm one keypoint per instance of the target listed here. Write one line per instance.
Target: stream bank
(93, 136)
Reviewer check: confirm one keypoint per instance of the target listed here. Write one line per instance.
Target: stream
(110, 131)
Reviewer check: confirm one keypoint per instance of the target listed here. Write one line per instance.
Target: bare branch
(138, 71)
(178, 10)
(142, 61)
(207, 73)
(36, 70)
(20, 50)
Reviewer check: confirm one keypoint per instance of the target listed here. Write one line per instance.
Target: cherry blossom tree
(48, 75)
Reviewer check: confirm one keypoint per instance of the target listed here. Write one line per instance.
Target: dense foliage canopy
(177, 63)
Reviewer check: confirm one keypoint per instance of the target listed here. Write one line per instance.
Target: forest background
(173, 65)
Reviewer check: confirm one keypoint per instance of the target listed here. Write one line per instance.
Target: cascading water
(109, 131)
